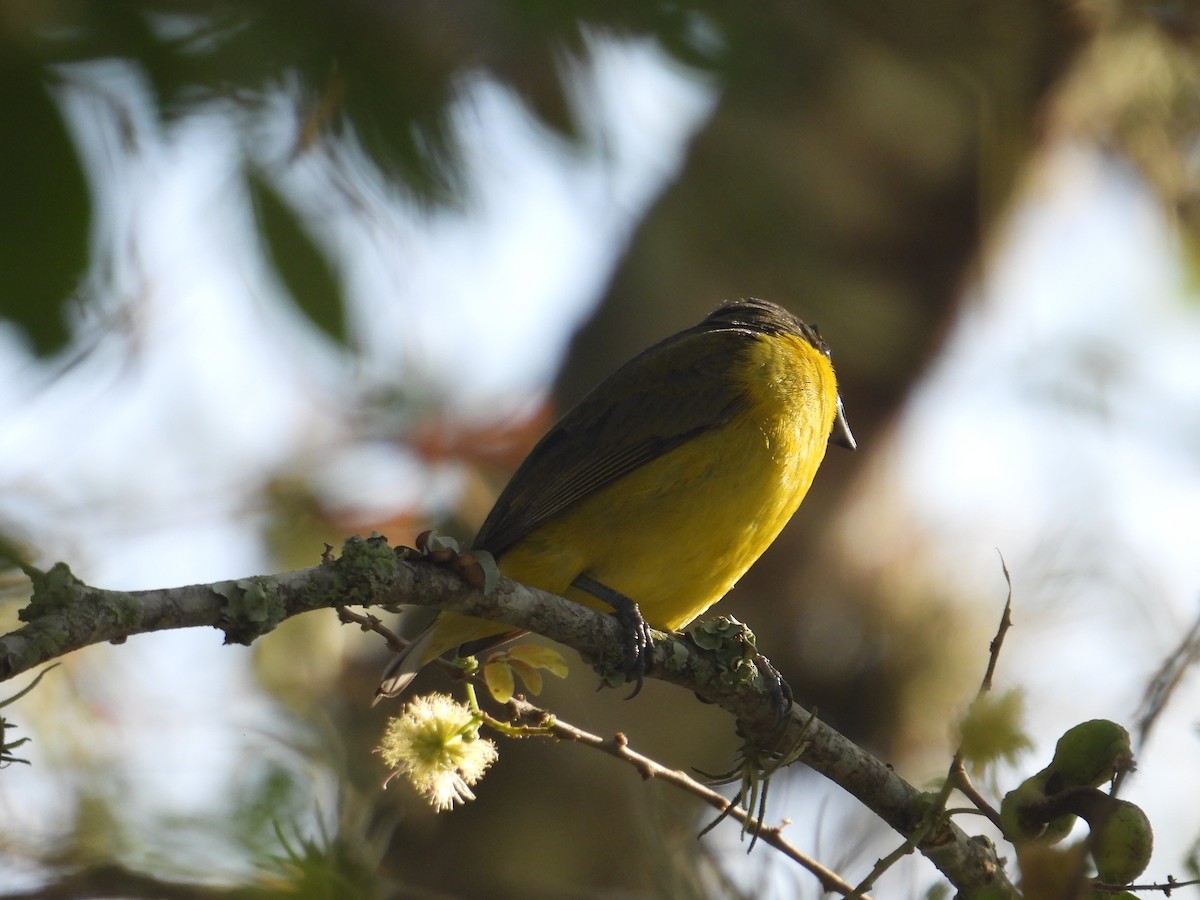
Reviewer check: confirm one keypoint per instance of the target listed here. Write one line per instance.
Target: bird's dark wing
(661, 398)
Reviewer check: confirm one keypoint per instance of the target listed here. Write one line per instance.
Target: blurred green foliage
(299, 260)
(45, 211)
(384, 74)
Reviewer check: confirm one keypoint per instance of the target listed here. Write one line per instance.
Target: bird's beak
(841, 434)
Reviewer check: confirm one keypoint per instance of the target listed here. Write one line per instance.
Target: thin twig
(1001, 631)
(956, 777)
(395, 643)
(962, 781)
(368, 622)
(1168, 677)
(958, 770)
(1165, 888)
(932, 817)
(618, 747)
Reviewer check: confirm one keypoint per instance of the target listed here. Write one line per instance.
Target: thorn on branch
(368, 622)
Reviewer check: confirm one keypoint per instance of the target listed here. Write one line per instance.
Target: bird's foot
(639, 637)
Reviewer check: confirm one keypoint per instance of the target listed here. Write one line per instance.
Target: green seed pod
(1090, 754)
(1121, 843)
(1015, 818)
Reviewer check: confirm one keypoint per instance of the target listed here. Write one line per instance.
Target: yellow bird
(666, 482)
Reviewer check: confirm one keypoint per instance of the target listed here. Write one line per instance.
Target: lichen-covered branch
(65, 614)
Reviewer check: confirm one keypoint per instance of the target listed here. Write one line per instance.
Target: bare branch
(1168, 677)
(1001, 630)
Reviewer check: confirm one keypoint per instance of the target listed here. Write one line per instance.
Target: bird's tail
(447, 631)
(407, 663)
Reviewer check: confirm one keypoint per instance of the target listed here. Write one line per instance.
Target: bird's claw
(639, 638)
(639, 645)
(778, 689)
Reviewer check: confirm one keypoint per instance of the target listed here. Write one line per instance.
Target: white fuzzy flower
(435, 744)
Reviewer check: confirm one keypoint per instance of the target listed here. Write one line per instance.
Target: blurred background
(273, 273)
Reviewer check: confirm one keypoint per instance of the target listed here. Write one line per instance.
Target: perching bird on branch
(656, 493)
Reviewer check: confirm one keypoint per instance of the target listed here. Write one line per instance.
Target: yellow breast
(677, 533)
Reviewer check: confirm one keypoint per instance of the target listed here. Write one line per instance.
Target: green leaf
(993, 728)
(301, 263)
(540, 657)
(529, 675)
(499, 678)
(44, 210)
